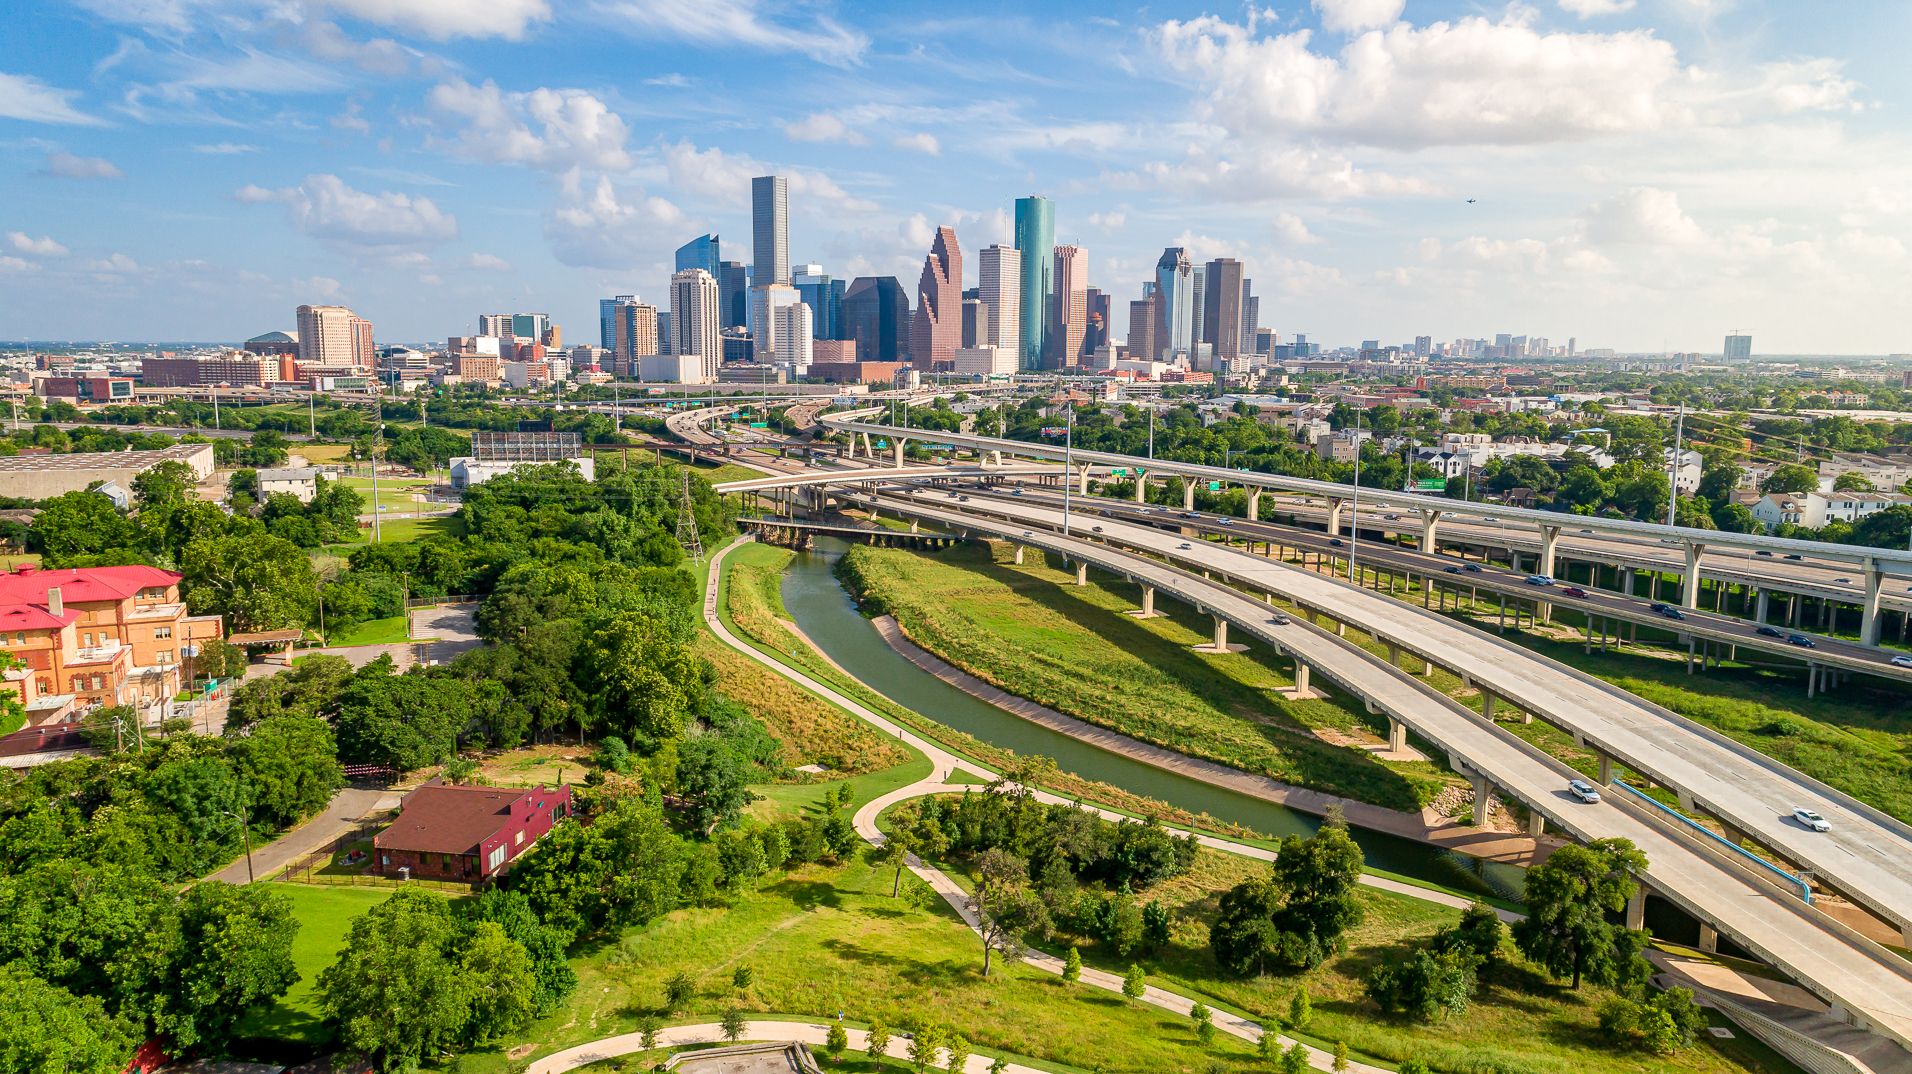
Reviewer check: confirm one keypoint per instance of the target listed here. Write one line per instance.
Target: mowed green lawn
(1032, 631)
(325, 914)
(373, 632)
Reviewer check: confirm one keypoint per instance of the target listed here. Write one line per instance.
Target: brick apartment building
(466, 834)
(94, 636)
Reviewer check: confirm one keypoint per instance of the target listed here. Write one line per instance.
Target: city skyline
(1653, 174)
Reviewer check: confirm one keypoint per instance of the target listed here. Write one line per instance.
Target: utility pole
(1068, 466)
(1354, 527)
(1151, 433)
(378, 441)
(1673, 466)
(312, 414)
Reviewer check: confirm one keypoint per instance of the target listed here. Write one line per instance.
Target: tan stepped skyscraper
(999, 286)
(1071, 316)
(334, 336)
(1222, 307)
(694, 317)
(937, 329)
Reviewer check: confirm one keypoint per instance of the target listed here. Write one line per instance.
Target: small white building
(300, 481)
(466, 471)
(1815, 509)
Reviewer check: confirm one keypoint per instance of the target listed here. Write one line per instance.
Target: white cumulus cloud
(921, 142)
(545, 128)
(1642, 216)
(822, 127)
(1352, 16)
(1588, 9)
(733, 23)
(326, 207)
(593, 225)
(69, 166)
(442, 19)
(44, 246)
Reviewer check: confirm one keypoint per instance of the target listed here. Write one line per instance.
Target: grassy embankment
(1032, 632)
(1519, 1022)
(756, 614)
(325, 914)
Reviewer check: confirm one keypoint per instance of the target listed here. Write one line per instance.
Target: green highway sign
(1430, 484)
(760, 425)
(1120, 471)
(1214, 486)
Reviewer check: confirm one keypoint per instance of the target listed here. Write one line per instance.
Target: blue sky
(1647, 174)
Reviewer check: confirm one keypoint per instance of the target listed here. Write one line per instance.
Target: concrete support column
(1690, 581)
(1483, 797)
(1626, 580)
(1548, 536)
(1606, 771)
(1335, 508)
(1536, 825)
(1221, 634)
(1636, 909)
(1709, 939)
(1765, 599)
(1082, 488)
(1148, 600)
(1301, 679)
(1430, 529)
(1486, 705)
(896, 447)
(1394, 654)
(1188, 494)
(1254, 504)
(1869, 610)
(1141, 488)
(1082, 573)
(915, 526)
(1397, 735)
(1018, 555)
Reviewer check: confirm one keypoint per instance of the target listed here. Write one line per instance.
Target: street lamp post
(1354, 528)
(245, 830)
(1068, 466)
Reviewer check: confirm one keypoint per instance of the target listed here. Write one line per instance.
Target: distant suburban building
(1815, 509)
(42, 477)
(236, 368)
(299, 481)
(468, 834)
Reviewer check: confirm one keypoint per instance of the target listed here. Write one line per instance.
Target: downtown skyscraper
(770, 230)
(937, 329)
(1070, 319)
(1174, 304)
(999, 287)
(1036, 239)
(703, 252)
(1222, 308)
(693, 324)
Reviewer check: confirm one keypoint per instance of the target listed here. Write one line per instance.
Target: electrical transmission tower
(687, 523)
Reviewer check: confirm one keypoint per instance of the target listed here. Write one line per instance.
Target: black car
(1473, 568)
(1771, 632)
(1763, 552)
(1668, 611)
(1794, 555)
(1335, 542)
(1801, 640)
(1450, 570)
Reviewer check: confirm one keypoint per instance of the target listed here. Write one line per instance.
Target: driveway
(453, 629)
(341, 815)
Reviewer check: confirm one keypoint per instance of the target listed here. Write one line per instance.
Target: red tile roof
(16, 617)
(29, 585)
(440, 818)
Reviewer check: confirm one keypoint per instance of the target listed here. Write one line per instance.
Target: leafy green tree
(1004, 907)
(76, 526)
(1155, 925)
(1790, 478)
(1243, 937)
(398, 957)
(955, 1052)
(877, 1040)
(836, 1042)
(1425, 986)
(1414, 1066)
(257, 582)
(406, 721)
(1295, 1059)
(220, 659)
(740, 978)
(713, 781)
(1300, 1009)
(554, 978)
(1072, 966)
(502, 983)
(644, 683)
(1663, 1024)
(1204, 1024)
(1569, 897)
(734, 1024)
(1478, 934)
(46, 1029)
(625, 868)
(1135, 982)
(679, 988)
(231, 953)
(1340, 1065)
(924, 1042)
(288, 766)
(647, 1028)
(168, 484)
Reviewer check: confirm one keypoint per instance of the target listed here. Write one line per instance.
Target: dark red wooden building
(468, 834)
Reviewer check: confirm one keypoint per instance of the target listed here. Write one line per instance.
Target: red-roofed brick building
(466, 834)
(96, 636)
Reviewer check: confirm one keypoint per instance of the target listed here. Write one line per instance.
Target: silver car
(1812, 819)
(1583, 790)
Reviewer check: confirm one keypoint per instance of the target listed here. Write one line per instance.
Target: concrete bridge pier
(1765, 599)
(1709, 939)
(1301, 680)
(1869, 608)
(1397, 736)
(1018, 555)
(897, 447)
(1430, 529)
(1334, 517)
(1690, 581)
(1220, 642)
(1141, 488)
(1188, 494)
(1483, 798)
(1082, 574)
(1148, 604)
(1636, 908)
(1254, 504)
(1606, 769)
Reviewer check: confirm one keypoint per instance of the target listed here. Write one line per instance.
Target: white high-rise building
(765, 301)
(793, 343)
(693, 321)
(984, 361)
(999, 287)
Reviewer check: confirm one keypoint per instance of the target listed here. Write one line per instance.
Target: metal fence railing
(1792, 879)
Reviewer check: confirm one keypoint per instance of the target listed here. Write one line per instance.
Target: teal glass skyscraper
(704, 252)
(1036, 241)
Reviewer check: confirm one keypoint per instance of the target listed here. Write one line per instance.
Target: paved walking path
(814, 1034)
(341, 815)
(1476, 842)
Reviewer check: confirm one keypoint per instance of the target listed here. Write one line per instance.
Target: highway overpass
(1875, 568)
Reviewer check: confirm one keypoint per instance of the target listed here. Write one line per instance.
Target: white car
(1902, 661)
(1812, 819)
(1583, 790)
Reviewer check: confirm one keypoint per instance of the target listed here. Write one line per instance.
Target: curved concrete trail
(942, 763)
(814, 1034)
